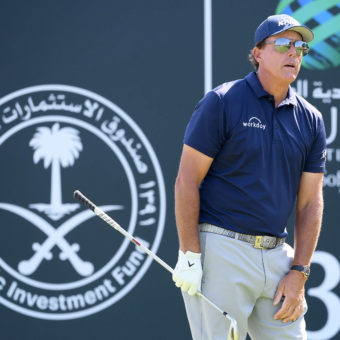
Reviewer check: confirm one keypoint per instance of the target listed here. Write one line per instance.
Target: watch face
(307, 270)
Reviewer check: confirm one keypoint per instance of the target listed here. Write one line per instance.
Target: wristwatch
(305, 270)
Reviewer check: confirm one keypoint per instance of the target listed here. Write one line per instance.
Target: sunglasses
(282, 45)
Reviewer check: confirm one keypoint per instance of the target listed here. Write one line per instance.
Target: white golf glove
(188, 272)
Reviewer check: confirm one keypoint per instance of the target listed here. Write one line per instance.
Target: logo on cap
(286, 21)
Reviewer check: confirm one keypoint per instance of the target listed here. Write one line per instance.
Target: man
(252, 150)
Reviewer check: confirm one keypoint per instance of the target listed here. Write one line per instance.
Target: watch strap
(305, 270)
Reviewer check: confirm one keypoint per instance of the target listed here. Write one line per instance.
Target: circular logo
(58, 260)
(323, 17)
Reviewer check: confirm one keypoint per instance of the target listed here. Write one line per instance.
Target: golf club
(233, 331)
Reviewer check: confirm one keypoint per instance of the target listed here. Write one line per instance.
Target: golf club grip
(84, 200)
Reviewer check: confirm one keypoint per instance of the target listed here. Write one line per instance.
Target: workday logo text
(67, 264)
(254, 122)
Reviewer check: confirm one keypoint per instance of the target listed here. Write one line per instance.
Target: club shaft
(140, 245)
(116, 226)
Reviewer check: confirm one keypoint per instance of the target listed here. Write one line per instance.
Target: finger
(289, 315)
(193, 289)
(278, 296)
(295, 315)
(287, 309)
(185, 286)
(290, 318)
(179, 283)
(283, 310)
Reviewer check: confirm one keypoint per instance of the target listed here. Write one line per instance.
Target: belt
(260, 242)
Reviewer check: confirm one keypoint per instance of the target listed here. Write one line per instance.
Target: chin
(289, 78)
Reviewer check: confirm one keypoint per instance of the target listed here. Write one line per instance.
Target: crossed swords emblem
(55, 237)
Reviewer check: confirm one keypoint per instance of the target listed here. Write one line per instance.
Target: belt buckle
(258, 241)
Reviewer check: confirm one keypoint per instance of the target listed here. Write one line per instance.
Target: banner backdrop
(96, 97)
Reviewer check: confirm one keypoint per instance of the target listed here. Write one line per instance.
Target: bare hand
(291, 288)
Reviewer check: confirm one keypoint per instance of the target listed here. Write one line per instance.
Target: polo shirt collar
(259, 91)
(290, 99)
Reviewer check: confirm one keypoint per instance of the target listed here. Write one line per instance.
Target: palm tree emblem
(57, 147)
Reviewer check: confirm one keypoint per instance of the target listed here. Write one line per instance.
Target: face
(281, 67)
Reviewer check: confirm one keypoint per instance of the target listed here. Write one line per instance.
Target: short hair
(251, 57)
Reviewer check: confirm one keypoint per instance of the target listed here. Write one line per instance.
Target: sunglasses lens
(282, 45)
(301, 48)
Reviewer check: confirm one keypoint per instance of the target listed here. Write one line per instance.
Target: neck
(274, 87)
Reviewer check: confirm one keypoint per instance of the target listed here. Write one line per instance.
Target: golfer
(253, 150)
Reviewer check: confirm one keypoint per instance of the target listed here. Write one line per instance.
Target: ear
(257, 54)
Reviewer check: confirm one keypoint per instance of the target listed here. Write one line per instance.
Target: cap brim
(306, 33)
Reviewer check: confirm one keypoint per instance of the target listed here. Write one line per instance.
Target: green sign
(323, 17)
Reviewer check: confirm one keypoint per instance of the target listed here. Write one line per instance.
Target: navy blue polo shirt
(259, 155)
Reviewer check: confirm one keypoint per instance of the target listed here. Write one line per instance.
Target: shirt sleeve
(316, 159)
(205, 130)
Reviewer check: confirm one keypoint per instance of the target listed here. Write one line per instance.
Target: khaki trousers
(242, 280)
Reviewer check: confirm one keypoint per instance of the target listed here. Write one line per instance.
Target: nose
(292, 50)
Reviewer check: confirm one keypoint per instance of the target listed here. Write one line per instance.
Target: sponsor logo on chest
(254, 122)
